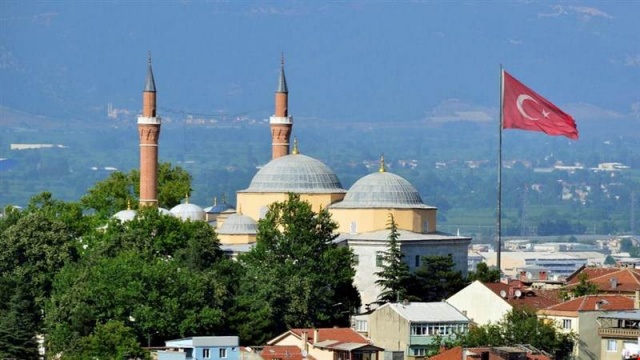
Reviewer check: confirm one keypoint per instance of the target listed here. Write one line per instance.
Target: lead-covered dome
(188, 212)
(295, 173)
(382, 190)
(125, 215)
(238, 224)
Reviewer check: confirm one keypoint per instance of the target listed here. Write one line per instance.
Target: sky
(345, 60)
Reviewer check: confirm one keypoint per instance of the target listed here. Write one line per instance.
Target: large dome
(295, 173)
(238, 224)
(382, 190)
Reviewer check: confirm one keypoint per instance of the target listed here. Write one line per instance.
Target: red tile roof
(627, 280)
(281, 352)
(451, 354)
(341, 335)
(595, 302)
(458, 353)
(535, 299)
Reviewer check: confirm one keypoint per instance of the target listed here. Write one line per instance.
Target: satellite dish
(518, 293)
(503, 294)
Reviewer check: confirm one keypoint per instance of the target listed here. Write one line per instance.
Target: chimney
(613, 282)
(523, 275)
(543, 275)
(316, 336)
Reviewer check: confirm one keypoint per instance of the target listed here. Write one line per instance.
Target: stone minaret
(149, 132)
(281, 122)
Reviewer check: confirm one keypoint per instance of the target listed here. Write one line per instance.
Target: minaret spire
(149, 133)
(281, 122)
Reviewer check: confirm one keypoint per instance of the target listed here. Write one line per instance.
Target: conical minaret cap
(282, 80)
(150, 84)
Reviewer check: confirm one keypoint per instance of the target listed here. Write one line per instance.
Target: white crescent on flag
(519, 102)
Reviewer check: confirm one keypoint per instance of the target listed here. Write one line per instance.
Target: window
(417, 260)
(425, 227)
(566, 323)
(362, 326)
(223, 353)
(379, 258)
(419, 351)
(612, 345)
(206, 354)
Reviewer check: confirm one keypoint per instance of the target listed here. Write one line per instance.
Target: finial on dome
(295, 150)
(224, 198)
(382, 169)
(128, 204)
(149, 57)
(186, 198)
(282, 58)
(215, 200)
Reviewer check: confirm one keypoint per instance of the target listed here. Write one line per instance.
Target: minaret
(149, 132)
(281, 122)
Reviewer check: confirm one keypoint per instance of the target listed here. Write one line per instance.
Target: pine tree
(395, 275)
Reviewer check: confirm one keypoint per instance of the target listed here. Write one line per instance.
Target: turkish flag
(524, 109)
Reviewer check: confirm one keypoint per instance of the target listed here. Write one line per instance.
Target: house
(201, 348)
(483, 303)
(579, 316)
(608, 280)
(329, 344)
(410, 328)
(492, 353)
(619, 332)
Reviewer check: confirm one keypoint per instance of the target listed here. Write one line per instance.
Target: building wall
(605, 354)
(227, 239)
(588, 344)
(255, 204)
(364, 220)
(456, 249)
(388, 330)
(479, 304)
(367, 253)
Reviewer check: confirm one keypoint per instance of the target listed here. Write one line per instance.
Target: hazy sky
(347, 61)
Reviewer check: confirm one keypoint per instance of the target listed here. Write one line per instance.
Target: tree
(395, 275)
(519, 326)
(584, 287)
(484, 274)
(111, 340)
(437, 279)
(158, 275)
(295, 276)
(120, 190)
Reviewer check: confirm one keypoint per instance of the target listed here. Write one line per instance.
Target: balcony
(619, 333)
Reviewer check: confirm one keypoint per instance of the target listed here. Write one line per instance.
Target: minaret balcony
(285, 120)
(145, 120)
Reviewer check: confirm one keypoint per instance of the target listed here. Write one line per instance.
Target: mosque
(361, 212)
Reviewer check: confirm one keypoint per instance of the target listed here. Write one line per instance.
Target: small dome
(237, 224)
(218, 208)
(295, 173)
(125, 215)
(188, 212)
(382, 190)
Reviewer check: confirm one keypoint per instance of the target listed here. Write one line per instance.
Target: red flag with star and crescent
(524, 109)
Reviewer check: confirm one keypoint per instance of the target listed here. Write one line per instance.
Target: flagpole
(499, 222)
